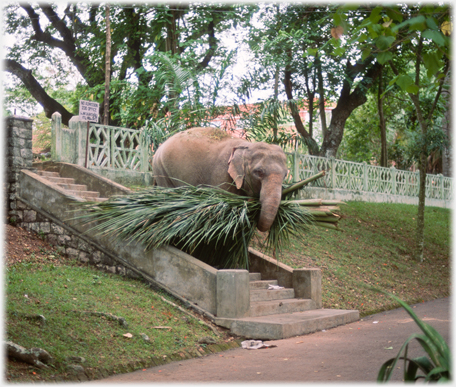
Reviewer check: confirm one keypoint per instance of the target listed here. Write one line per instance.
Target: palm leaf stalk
(213, 225)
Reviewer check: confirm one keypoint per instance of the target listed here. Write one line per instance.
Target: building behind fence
(125, 155)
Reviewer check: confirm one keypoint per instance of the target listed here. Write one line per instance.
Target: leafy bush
(435, 367)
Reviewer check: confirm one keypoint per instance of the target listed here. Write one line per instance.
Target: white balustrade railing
(118, 148)
(128, 149)
(362, 177)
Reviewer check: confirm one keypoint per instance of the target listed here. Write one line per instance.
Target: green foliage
(386, 28)
(270, 122)
(144, 36)
(42, 136)
(434, 141)
(437, 367)
(213, 225)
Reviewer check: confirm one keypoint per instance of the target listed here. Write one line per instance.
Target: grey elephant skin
(211, 157)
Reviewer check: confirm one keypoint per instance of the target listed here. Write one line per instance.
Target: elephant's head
(259, 169)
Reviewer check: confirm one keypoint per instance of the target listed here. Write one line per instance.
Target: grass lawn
(375, 249)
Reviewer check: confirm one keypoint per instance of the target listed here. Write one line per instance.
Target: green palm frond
(211, 224)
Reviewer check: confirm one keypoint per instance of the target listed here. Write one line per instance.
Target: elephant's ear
(236, 166)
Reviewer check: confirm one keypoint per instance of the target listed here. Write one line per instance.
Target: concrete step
(85, 194)
(263, 284)
(60, 180)
(267, 308)
(269, 295)
(48, 174)
(282, 326)
(254, 276)
(69, 185)
(73, 187)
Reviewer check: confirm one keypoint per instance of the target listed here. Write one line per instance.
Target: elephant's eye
(258, 173)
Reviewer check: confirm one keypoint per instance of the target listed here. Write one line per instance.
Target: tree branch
(49, 105)
(212, 47)
(59, 25)
(68, 47)
(439, 91)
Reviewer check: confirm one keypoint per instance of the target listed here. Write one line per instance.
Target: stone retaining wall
(68, 242)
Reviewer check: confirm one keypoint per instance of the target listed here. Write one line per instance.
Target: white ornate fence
(362, 177)
(127, 150)
(100, 146)
(118, 148)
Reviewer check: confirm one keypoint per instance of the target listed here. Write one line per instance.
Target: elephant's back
(195, 156)
(198, 135)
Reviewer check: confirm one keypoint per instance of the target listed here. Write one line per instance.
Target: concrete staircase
(277, 314)
(265, 301)
(69, 184)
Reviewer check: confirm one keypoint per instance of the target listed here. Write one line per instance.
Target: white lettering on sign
(89, 110)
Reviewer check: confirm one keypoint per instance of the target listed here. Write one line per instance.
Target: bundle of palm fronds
(213, 225)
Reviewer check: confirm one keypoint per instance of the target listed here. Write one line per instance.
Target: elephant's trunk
(270, 197)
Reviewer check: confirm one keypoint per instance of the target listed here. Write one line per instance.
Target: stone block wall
(67, 242)
(19, 156)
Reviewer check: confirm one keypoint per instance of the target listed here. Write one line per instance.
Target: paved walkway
(350, 353)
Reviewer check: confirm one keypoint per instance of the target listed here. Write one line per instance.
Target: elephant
(211, 157)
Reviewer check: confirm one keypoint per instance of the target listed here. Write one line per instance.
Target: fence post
(74, 144)
(295, 167)
(112, 144)
(56, 133)
(333, 172)
(442, 187)
(143, 146)
(366, 177)
(393, 178)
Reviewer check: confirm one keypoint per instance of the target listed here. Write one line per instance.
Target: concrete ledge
(125, 177)
(233, 293)
(187, 276)
(307, 284)
(362, 196)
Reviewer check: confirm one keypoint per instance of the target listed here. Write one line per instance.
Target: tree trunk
(310, 142)
(321, 92)
(49, 104)
(346, 104)
(447, 154)
(107, 67)
(381, 116)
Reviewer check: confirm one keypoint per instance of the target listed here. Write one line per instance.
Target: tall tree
(309, 68)
(189, 34)
(418, 35)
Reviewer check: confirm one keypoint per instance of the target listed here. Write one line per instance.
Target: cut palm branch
(213, 225)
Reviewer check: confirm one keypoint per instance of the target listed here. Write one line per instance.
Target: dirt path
(354, 352)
